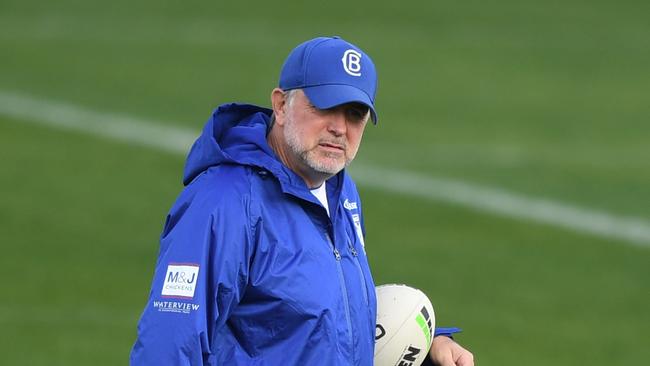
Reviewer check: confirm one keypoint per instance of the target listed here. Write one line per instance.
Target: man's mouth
(332, 146)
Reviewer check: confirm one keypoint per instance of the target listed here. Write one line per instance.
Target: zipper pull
(352, 250)
(337, 254)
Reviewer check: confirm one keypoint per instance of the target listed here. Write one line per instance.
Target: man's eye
(358, 113)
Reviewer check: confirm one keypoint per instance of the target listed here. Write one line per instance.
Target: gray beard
(308, 156)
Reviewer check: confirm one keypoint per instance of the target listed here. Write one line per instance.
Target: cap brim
(330, 96)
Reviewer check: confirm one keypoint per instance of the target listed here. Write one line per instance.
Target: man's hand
(446, 352)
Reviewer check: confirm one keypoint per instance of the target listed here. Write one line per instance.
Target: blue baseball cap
(331, 72)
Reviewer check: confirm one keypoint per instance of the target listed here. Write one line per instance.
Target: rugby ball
(405, 325)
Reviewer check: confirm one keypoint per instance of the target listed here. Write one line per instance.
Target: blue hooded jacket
(251, 269)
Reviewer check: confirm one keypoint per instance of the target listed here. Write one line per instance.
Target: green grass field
(545, 100)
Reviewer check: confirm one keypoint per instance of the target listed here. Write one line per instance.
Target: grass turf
(545, 100)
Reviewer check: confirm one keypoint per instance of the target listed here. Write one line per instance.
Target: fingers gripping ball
(405, 324)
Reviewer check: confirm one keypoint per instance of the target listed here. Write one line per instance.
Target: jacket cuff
(447, 332)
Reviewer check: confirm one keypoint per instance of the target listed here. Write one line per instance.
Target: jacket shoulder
(223, 190)
(221, 182)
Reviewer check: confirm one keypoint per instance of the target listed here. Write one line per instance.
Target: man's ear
(279, 103)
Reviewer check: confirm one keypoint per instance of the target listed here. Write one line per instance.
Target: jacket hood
(236, 134)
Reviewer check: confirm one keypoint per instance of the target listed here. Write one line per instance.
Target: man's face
(323, 142)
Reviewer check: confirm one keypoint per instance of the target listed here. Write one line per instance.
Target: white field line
(481, 198)
(509, 204)
(114, 126)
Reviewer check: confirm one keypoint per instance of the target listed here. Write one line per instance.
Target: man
(262, 258)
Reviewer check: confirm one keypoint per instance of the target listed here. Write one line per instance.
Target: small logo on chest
(349, 205)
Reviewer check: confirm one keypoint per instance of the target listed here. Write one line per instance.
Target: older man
(262, 258)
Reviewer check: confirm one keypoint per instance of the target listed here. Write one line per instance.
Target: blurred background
(509, 175)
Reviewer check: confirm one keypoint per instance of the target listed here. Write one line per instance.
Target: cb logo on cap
(352, 62)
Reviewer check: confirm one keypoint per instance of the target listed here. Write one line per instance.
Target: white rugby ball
(405, 325)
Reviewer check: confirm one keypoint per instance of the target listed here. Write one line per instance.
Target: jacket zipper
(364, 287)
(346, 304)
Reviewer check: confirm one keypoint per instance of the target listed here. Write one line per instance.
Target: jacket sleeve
(200, 276)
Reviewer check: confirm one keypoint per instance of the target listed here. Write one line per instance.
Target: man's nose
(337, 123)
